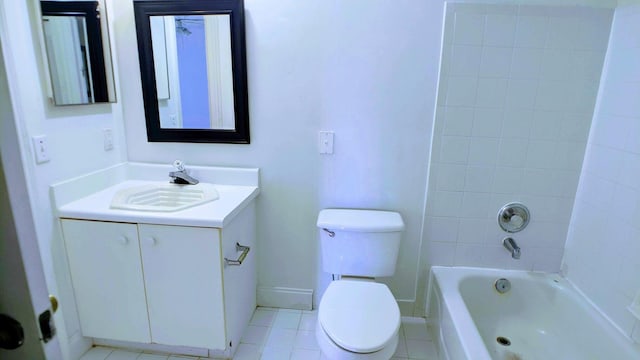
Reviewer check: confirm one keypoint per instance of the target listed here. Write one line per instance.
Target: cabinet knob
(124, 240)
(151, 241)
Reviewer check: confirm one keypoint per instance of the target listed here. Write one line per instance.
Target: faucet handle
(179, 165)
(513, 217)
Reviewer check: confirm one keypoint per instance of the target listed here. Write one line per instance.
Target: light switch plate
(40, 149)
(108, 139)
(326, 142)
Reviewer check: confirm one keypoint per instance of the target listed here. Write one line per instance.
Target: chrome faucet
(513, 248)
(181, 176)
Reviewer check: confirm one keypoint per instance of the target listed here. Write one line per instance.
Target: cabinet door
(104, 259)
(183, 278)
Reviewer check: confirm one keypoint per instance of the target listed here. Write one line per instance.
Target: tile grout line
(408, 325)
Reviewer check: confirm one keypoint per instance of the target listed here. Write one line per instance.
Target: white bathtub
(542, 316)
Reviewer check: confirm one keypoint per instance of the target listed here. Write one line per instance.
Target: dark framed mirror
(77, 53)
(193, 70)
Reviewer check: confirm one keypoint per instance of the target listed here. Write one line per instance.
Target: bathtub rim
(451, 276)
(471, 343)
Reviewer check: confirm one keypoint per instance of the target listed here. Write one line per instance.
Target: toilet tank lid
(360, 220)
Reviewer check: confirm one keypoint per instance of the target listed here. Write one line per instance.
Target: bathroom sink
(163, 197)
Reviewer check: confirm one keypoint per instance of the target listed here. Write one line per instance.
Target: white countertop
(217, 213)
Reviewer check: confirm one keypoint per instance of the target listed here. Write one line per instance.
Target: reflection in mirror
(66, 43)
(75, 53)
(193, 71)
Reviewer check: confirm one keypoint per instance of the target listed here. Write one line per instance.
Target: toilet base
(334, 352)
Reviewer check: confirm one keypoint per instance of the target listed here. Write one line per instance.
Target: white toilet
(358, 318)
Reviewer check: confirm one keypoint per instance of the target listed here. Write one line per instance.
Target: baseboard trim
(78, 345)
(287, 298)
(406, 307)
(158, 348)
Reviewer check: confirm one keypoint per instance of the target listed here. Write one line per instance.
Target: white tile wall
(517, 95)
(604, 241)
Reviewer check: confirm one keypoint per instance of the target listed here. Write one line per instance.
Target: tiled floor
(281, 334)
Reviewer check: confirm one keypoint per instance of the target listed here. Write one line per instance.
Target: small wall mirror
(77, 53)
(193, 70)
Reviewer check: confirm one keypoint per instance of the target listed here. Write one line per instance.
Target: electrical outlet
(40, 149)
(108, 139)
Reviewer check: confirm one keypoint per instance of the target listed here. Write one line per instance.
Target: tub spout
(513, 248)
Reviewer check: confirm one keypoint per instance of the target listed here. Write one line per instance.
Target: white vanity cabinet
(163, 284)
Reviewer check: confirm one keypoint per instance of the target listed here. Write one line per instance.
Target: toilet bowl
(358, 320)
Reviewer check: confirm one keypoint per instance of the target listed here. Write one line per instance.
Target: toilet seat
(359, 316)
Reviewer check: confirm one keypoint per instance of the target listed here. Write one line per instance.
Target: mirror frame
(143, 10)
(91, 13)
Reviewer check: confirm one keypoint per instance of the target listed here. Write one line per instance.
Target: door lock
(11, 333)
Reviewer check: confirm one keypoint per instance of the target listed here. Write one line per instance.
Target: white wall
(75, 145)
(602, 249)
(364, 69)
(517, 91)
(367, 70)
(378, 87)
(311, 67)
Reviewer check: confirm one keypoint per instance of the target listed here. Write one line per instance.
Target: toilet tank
(359, 242)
